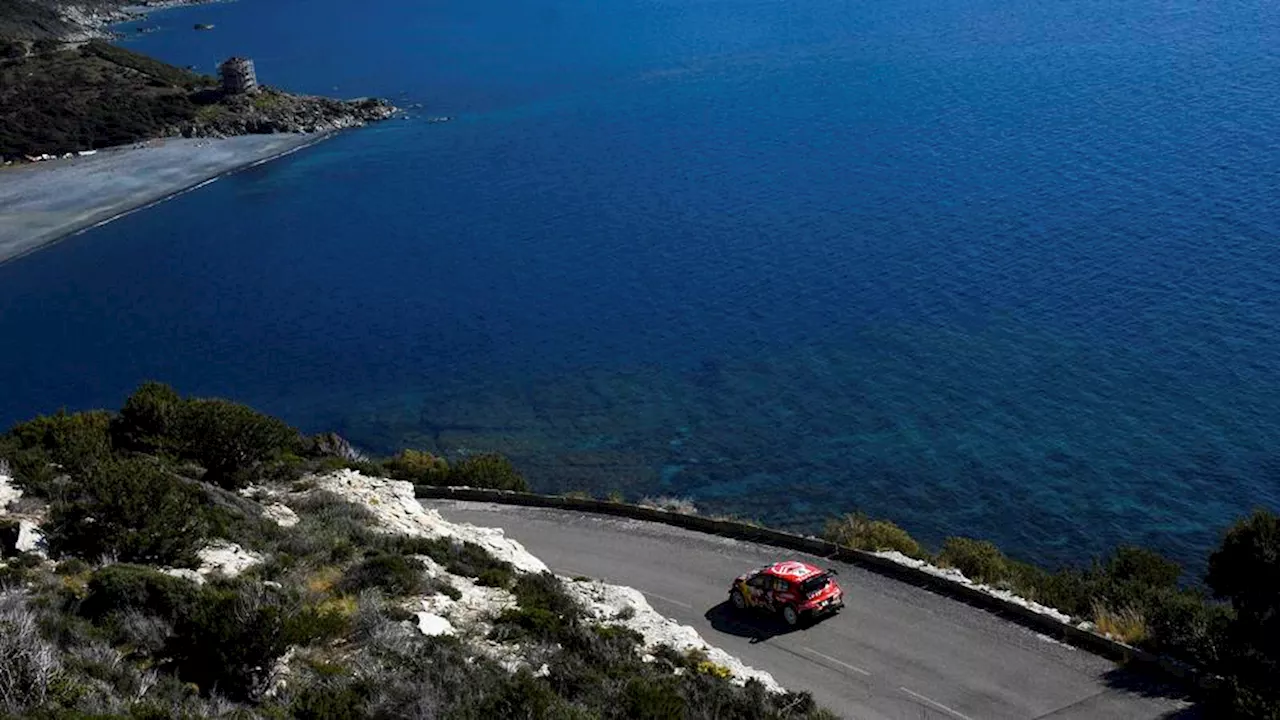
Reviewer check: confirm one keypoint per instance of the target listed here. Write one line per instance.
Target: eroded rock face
(8, 491)
(271, 111)
(332, 444)
(433, 625)
(398, 511)
(226, 559)
(280, 514)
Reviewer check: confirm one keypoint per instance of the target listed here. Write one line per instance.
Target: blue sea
(1001, 268)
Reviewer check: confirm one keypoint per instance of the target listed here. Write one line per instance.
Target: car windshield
(815, 583)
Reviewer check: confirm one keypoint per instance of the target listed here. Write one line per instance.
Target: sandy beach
(45, 202)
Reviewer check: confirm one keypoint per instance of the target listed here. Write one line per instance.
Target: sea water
(1000, 268)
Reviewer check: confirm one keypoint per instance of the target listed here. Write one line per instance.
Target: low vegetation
(93, 96)
(322, 626)
(1229, 625)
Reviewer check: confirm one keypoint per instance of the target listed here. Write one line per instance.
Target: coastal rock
(8, 491)
(332, 444)
(280, 514)
(397, 510)
(433, 625)
(227, 559)
(628, 607)
(272, 111)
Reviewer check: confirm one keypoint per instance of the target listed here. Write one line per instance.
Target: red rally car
(796, 590)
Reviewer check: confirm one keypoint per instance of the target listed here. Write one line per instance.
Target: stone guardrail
(1048, 625)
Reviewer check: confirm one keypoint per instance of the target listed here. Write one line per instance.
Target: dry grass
(1128, 625)
(684, 506)
(323, 580)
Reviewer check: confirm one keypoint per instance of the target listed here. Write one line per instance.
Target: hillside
(193, 558)
(61, 21)
(97, 95)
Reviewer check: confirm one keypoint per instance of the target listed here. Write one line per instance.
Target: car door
(759, 587)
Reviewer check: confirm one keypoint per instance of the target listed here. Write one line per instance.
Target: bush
(75, 442)
(29, 665)
(132, 510)
(229, 439)
(460, 558)
(231, 639)
(979, 560)
(1128, 625)
(148, 420)
(417, 466)
(543, 590)
(857, 531)
(1147, 568)
(394, 575)
(486, 471)
(117, 589)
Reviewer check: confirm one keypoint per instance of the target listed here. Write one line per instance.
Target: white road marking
(935, 703)
(667, 599)
(841, 663)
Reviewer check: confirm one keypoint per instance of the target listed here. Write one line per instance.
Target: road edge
(1168, 668)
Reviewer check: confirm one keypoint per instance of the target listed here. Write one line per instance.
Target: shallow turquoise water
(999, 268)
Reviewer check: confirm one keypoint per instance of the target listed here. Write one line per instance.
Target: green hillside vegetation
(98, 630)
(1228, 625)
(94, 96)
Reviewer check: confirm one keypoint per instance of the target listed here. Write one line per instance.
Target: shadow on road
(754, 624)
(1147, 685)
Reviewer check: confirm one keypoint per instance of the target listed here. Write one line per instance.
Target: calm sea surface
(1004, 268)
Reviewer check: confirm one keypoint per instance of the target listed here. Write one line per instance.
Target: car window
(757, 581)
(815, 583)
(781, 585)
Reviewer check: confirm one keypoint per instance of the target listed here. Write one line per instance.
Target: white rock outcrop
(434, 625)
(227, 559)
(398, 511)
(280, 514)
(628, 607)
(30, 539)
(8, 491)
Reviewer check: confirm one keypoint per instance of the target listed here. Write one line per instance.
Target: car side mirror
(832, 571)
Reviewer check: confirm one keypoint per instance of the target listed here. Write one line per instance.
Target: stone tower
(238, 76)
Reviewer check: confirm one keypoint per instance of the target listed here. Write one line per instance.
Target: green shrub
(486, 471)
(229, 439)
(71, 566)
(652, 699)
(538, 623)
(979, 560)
(394, 575)
(417, 466)
(75, 441)
(131, 509)
(230, 640)
(543, 590)
(857, 531)
(493, 577)
(334, 700)
(460, 558)
(120, 588)
(148, 420)
(1147, 568)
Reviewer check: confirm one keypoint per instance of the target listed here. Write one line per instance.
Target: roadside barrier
(1079, 637)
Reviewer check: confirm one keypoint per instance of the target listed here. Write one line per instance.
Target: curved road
(897, 652)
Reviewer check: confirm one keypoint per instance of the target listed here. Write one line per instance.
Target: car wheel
(790, 616)
(738, 601)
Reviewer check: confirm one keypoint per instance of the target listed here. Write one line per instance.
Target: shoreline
(45, 203)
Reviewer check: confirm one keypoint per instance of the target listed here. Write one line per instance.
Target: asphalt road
(896, 652)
